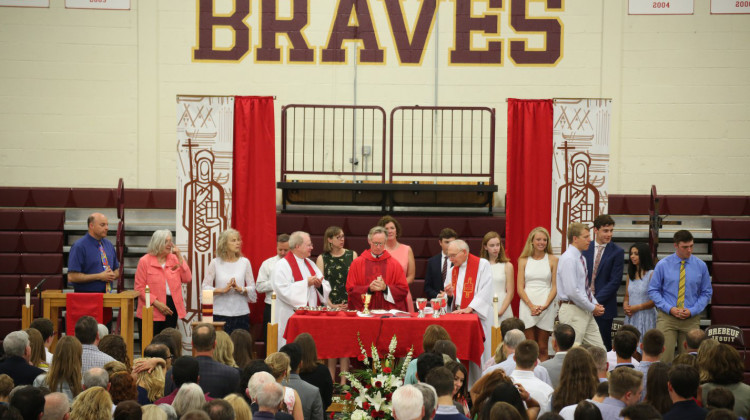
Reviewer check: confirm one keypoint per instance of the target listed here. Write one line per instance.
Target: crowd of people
(523, 379)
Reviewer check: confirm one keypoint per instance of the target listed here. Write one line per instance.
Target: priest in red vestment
(377, 273)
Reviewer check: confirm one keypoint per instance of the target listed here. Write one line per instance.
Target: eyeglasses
(378, 243)
(340, 237)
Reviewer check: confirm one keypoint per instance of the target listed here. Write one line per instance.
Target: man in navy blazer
(434, 278)
(605, 273)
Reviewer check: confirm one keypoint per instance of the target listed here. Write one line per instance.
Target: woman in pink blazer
(163, 270)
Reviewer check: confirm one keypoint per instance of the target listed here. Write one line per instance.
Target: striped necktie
(681, 287)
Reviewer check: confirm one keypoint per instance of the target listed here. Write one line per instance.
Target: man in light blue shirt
(681, 289)
(578, 306)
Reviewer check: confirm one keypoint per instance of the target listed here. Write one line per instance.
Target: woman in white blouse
(230, 276)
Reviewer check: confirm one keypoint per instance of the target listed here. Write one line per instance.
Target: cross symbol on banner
(468, 288)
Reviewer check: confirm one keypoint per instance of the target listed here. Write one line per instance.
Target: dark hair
(625, 344)
(526, 354)
(586, 410)
(684, 380)
(331, 232)
(441, 378)
(44, 326)
(6, 385)
(682, 236)
(167, 341)
(86, 329)
(511, 323)
(602, 389)
(653, 342)
(719, 397)
(640, 411)
(122, 387)
(550, 415)
(115, 346)
(645, 261)
(432, 334)
(29, 401)
(156, 350)
(248, 371)
(724, 365)
(455, 367)
(578, 379)
(389, 219)
(565, 336)
(128, 410)
(244, 347)
(721, 414)
(603, 220)
(204, 337)
(185, 369)
(9, 413)
(632, 329)
(445, 347)
(447, 233)
(656, 387)
(176, 336)
(283, 238)
(695, 337)
(504, 392)
(295, 355)
(425, 363)
(219, 409)
(309, 360)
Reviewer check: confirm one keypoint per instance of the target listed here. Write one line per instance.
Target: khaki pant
(587, 331)
(675, 332)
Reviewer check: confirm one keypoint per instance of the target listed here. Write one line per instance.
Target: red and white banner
(729, 7)
(580, 164)
(25, 3)
(660, 7)
(98, 4)
(205, 135)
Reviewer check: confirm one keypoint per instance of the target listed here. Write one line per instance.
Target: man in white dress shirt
(297, 281)
(264, 283)
(578, 306)
(511, 340)
(470, 282)
(526, 356)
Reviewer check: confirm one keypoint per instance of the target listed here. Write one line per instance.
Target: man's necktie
(681, 288)
(445, 268)
(597, 260)
(588, 282)
(105, 265)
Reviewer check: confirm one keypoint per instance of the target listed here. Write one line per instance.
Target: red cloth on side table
(82, 304)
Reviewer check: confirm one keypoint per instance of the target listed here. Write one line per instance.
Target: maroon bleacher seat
(41, 242)
(731, 251)
(730, 272)
(479, 226)
(11, 219)
(15, 284)
(731, 315)
(51, 197)
(10, 241)
(14, 196)
(291, 222)
(96, 198)
(728, 205)
(730, 294)
(433, 246)
(420, 268)
(357, 243)
(38, 220)
(411, 226)
(10, 306)
(359, 224)
(10, 263)
(736, 229)
(475, 245)
(628, 204)
(138, 199)
(436, 224)
(317, 224)
(418, 246)
(160, 199)
(687, 205)
(40, 264)
(8, 325)
(417, 289)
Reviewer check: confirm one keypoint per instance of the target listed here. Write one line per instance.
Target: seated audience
(432, 334)
(219, 410)
(599, 356)
(447, 349)
(429, 400)
(460, 387)
(254, 388)
(312, 405)
(719, 397)
(195, 414)
(586, 410)
(240, 407)
(279, 364)
(189, 397)
(128, 410)
(625, 387)
(95, 377)
(602, 392)
(721, 414)
(408, 403)
(244, 347)
(683, 388)
(150, 385)
(87, 332)
(578, 379)
(563, 338)
(122, 387)
(224, 350)
(56, 406)
(176, 337)
(314, 372)
(612, 355)
(657, 390)
(29, 401)
(6, 385)
(526, 356)
(153, 412)
(92, 404)
(702, 358)
(651, 348)
(65, 372)
(516, 396)
(693, 340)
(512, 339)
(254, 367)
(441, 378)
(426, 362)
(184, 370)
(504, 411)
(640, 411)
(726, 368)
(37, 357)
(16, 363)
(268, 397)
(114, 346)
(624, 345)
(47, 329)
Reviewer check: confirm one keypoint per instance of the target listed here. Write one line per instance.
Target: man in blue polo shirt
(93, 264)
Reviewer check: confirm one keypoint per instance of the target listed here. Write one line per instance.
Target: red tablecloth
(336, 336)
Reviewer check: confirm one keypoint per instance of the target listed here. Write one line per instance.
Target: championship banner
(205, 133)
(580, 164)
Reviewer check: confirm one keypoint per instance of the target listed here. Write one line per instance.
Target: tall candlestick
(148, 297)
(28, 296)
(273, 308)
(208, 305)
(494, 307)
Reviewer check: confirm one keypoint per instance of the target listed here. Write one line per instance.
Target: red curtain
(254, 183)
(529, 189)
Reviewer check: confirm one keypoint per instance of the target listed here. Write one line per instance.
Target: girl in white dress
(502, 271)
(537, 288)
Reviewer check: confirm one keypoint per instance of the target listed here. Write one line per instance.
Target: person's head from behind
(526, 355)
(599, 356)
(219, 409)
(157, 350)
(46, 328)
(122, 387)
(446, 348)
(511, 340)
(248, 372)
(175, 337)
(653, 343)
(279, 364)
(128, 410)
(244, 347)
(256, 382)
(189, 397)
(309, 360)
(87, 330)
(153, 382)
(269, 396)
(92, 404)
(725, 365)
(602, 391)
(95, 376)
(586, 410)
(185, 370)
(56, 406)
(625, 344)
(114, 345)
(565, 337)
(195, 414)
(721, 414)
(224, 349)
(657, 393)
(503, 411)
(294, 352)
(441, 378)
(429, 398)
(154, 412)
(432, 334)
(16, 344)
(719, 397)
(29, 401)
(640, 411)
(6, 385)
(240, 407)
(504, 392)
(694, 338)
(626, 385)
(204, 338)
(426, 362)
(511, 323)
(408, 403)
(683, 382)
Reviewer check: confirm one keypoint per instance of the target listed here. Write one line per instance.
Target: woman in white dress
(537, 288)
(502, 270)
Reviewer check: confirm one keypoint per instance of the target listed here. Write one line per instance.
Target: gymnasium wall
(89, 95)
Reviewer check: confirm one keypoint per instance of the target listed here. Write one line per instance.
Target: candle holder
(435, 307)
(421, 305)
(366, 300)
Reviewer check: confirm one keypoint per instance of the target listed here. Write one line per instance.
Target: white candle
(148, 297)
(28, 296)
(208, 305)
(273, 308)
(494, 307)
